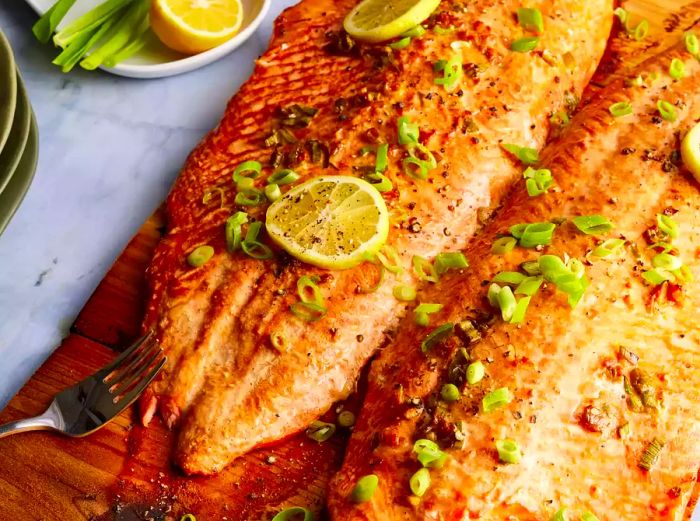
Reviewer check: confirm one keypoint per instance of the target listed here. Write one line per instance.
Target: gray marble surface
(110, 148)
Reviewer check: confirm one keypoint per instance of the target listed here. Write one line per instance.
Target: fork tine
(126, 368)
(133, 375)
(108, 369)
(129, 398)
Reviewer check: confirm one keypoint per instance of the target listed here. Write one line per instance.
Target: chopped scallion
(621, 14)
(667, 111)
(283, 177)
(608, 247)
(520, 309)
(651, 454)
(642, 30)
(592, 224)
(529, 286)
(503, 245)
(452, 73)
(425, 269)
(527, 156)
(667, 225)
(401, 44)
(428, 308)
(526, 44)
(560, 515)
(509, 277)
(496, 399)
(415, 32)
(250, 197)
(506, 303)
(508, 451)
(346, 419)
(588, 516)
(531, 19)
(233, 232)
(534, 234)
(380, 182)
(420, 482)
(450, 393)
(382, 160)
(254, 248)
(677, 69)
(308, 311)
(249, 169)
(364, 489)
(621, 108)
(200, 256)
(537, 182)
(294, 514)
(273, 192)
(404, 293)
(408, 131)
(429, 454)
(666, 261)
(389, 258)
(692, 44)
(450, 261)
(320, 431)
(475, 372)
(657, 276)
(436, 336)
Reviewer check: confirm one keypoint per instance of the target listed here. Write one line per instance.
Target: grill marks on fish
(559, 360)
(235, 391)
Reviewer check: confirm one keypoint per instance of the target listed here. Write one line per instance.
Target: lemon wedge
(193, 26)
(380, 20)
(690, 151)
(333, 222)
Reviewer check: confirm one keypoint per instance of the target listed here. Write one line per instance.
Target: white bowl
(156, 60)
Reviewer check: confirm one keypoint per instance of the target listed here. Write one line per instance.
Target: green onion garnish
(651, 454)
(425, 269)
(420, 157)
(520, 310)
(273, 192)
(450, 393)
(320, 431)
(503, 245)
(401, 44)
(420, 482)
(44, 28)
(249, 169)
(657, 276)
(190, 517)
(245, 183)
(200, 256)
(588, 516)
(475, 372)
(667, 225)
(380, 182)
(508, 451)
(209, 196)
(641, 31)
(560, 515)
(254, 248)
(527, 156)
(389, 258)
(415, 32)
(283, 177)
(692, 44)
(293, 514)
(436, 336)
(444, 30)
(531, 268)
(408, 132)
(509, 277)
(506, 303)
(534, 234)
(667, 111)
(608, 247)
(573, 284)
(308, 311)
(526, 44)
(364, 489)
(415, 168)
(422, 312)
(531, 19)
(404, 293)
(452, 73)
(537, 182)
(676, 69)
(622, 108)
(308, 291)
(496, 399)
(233, 230)
(666, 261)
(450, 261)
(592, 224)
(250, 197)
(429, 454)
(621, 14)
(382, 160)
(346, 419)
(529, 286)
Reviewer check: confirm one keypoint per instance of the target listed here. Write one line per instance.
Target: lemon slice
(192, 26)
(380, 20)
(690, 151)
(332, 222)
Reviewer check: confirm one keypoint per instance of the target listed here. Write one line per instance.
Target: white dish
(156, 60)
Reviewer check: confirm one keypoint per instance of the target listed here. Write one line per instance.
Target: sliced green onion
(667, 225)
(576, 267)
(664, 246)
(520, 310)
(560, 118)
(560, 515)
(450, 393)
(526, 44)
(535, 234)
(532, 268)
(426, 156)
(492, 294)
(692, 44)
(509, 277)
(422, 319)
(496, 399)
(420, 482)
(452, 73)
(666, 261)
(503, 245)
(401, 44)
(436, 336)
(651, 454)
(642, 30)
(573, 284)
(254, 248)
(531, 19)
(475, 372)
(622, 108)
(382, 160)
(621, 14)
(657, 276)
(589, 516)
(249, 169)
(428, 308)
(190, 517)
(250, 197)
(429, 454)
(308, 311)
(425, 269)
(439, 65)
(667, 111)
(527, 156)
(294, 514)
(364, 489)
(200, 256)
(608, 247)
(44, 28)
(537, 182)
(529, 286)
(273, 192)
(346, 419)
(444, 30)
(209, 195)
(415, 32)
(450, 261)
(283, 177)
(506, 303)
(508, 451)
(390, 259)
(308, 291)
(233, 230)
(677, 69)
(404, 293)
(379, 279)
(245, 183)
(416, 168)
(88, 22)
(320, 431)
(592, 224)
(408, 132)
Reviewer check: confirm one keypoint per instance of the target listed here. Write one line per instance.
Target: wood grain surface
(123, 472)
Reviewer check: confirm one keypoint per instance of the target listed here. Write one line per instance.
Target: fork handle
(49, 420)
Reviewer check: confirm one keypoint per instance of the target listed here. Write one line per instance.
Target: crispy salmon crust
(581, 440)
(226, 384)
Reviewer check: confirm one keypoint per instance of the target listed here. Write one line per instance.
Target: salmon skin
(602, 399)
(314, 100)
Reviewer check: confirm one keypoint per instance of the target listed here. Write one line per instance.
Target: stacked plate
(18, 136)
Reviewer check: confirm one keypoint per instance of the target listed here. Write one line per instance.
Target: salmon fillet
(225, 384)
(581, 430)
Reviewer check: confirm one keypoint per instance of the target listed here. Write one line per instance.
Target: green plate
(8, 89)
(15, 190)
(14, 146)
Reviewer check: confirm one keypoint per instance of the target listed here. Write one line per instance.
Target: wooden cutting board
(123, 471)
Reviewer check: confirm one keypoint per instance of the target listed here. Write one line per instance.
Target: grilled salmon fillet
(603, 399)
(314, 100)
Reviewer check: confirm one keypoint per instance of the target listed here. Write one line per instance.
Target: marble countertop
(110, 148)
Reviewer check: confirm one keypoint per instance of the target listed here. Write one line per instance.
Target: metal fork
(92, 403)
